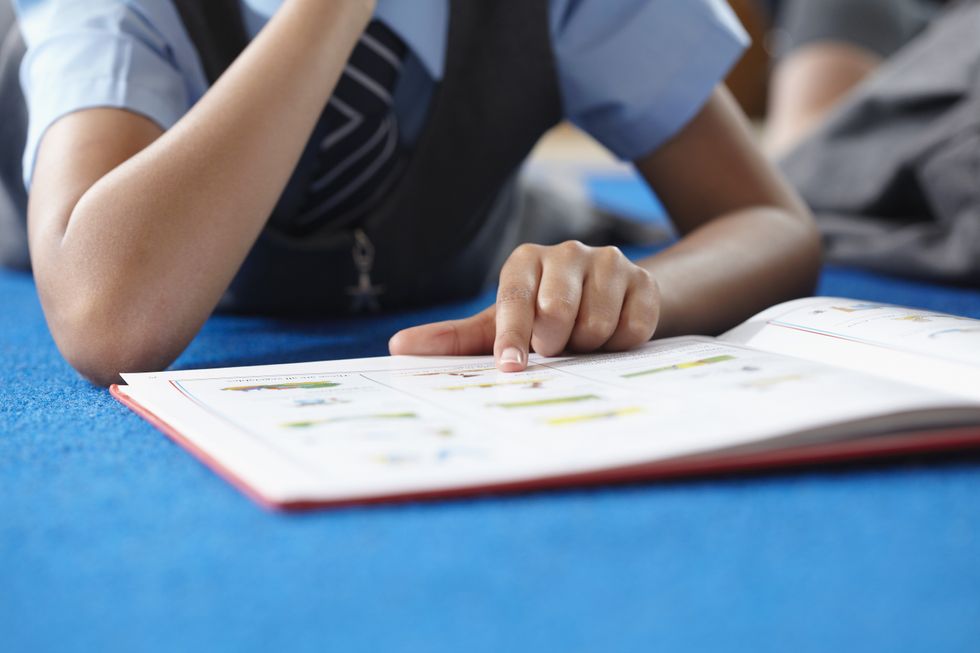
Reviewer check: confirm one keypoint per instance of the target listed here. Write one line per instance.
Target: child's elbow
(100, 350)
(91, 362)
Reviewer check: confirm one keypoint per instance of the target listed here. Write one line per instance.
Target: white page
(910, 345)
(344, 430)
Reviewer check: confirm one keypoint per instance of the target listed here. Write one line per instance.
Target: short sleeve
(634, 72)
(131, 54)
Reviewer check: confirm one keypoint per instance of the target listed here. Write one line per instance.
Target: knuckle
(638, 330)
(649, 293)
(642, 276)
(642, 307)
(525, 251)
(652, 304)
(514, 294)
(512, 334)
(597, 328)
(610, 255)
(557, 306)
(571, 247)
(644, 285)
(648, 316)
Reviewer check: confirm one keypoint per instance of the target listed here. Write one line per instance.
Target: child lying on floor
(306, 156)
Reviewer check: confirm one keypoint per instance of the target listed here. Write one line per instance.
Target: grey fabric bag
(13, 132)
(894, 175)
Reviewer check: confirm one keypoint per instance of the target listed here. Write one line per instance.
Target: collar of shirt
(422, 24)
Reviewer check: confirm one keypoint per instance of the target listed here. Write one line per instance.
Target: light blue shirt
(631, 72)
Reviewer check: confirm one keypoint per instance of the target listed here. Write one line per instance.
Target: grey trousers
(892, 175)
(881, 26)
(13, 129)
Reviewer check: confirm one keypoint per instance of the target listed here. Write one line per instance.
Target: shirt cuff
(50, 103)
(636, 74)
(633, 137)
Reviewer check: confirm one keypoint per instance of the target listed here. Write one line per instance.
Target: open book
(815, 379)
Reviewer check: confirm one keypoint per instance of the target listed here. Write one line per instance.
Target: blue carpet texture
(113, 538)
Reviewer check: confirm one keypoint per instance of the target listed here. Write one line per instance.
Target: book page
(344, 430)
(927, 348)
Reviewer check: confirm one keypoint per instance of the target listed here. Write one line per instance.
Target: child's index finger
(515, 314)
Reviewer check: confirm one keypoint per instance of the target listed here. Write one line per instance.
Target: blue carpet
(112, 538)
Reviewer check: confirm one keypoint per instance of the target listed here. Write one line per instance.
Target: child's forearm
(732, 267)
(750, 242)
(150, 247)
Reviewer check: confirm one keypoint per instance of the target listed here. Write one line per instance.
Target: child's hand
(568, 296)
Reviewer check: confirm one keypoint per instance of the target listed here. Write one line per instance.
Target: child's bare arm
(748, 243)
(135, 234)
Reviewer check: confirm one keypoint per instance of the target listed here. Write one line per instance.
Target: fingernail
(512, 355)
